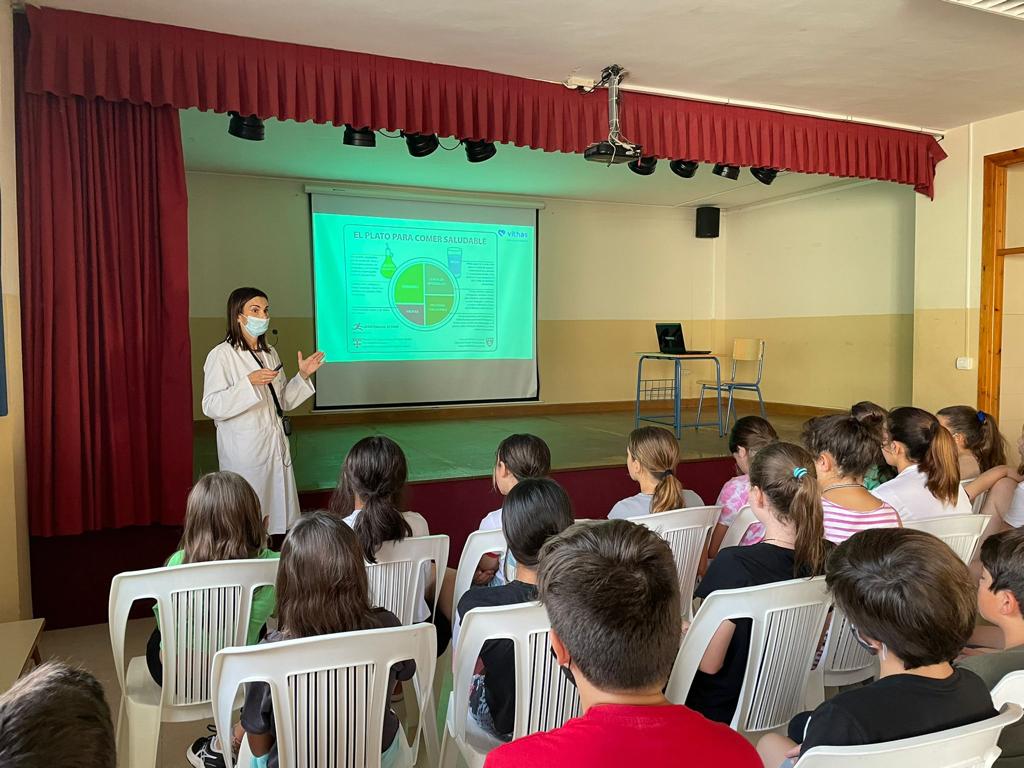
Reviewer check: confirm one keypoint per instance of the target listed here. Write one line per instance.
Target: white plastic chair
(743, 351)
(686, 531)
(329, 693)
(545, 699)
(843, 661)
(478, 544)
(961, 532)
(398, 578)
(786, 623)
(969, 746)
(744, 519)
(1009, 689)
(203, 608)
(979, 501)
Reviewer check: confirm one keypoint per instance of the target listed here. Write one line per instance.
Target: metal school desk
(655, 389)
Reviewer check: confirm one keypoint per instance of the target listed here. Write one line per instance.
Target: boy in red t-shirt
(612, 593)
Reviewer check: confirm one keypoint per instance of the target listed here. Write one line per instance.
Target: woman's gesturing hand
(309, 365)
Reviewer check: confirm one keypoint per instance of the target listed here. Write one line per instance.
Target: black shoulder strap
(273, 394)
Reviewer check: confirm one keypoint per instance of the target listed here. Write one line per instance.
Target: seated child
(784, 497)
(845, 448)
(910, 600)
(979, 445)
(1000, 596)
(534, 511)
(875, 417)
(652, 454)
(612, 592)
(322, 589)
(748, 435)
(222, 522)
(56, 716)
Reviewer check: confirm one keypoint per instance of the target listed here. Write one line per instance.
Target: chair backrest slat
(397, 580)
(743, 520)
(961, 532)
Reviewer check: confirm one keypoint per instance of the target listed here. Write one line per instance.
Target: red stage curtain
(104, 299)
(79, 54)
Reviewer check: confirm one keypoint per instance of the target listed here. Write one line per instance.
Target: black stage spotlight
(359, 137)
(644, 166)
(420, 144)
(685, 168)
(765, 175)
(247, 127)
(478, 151)
(731, 172)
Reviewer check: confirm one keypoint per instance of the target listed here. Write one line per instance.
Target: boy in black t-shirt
(910, 600)
(534, 510)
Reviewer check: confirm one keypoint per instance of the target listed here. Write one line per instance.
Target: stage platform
(464, 448)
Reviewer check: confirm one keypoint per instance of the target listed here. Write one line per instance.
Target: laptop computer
(672, 342)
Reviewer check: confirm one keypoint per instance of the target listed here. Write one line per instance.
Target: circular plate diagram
(423, 294)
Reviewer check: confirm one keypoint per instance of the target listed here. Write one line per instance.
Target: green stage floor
(439, 450)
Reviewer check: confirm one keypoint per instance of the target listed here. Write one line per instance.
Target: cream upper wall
(1015, 205)
(846, 252)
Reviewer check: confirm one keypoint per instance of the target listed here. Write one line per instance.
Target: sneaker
(204, 753)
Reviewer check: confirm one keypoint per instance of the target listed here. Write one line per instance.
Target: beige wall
(15, 595)
(597, 265)
(827, 280)
(948, 263)
(1011, 383)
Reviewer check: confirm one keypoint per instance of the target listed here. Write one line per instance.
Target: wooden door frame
(993, 255)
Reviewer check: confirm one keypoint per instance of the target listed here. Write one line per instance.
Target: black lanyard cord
(273, 394)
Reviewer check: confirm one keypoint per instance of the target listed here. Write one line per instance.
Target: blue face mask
(256, 326)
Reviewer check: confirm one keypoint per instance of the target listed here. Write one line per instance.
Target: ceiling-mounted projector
(616, 149)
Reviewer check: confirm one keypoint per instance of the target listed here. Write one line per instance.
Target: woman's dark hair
(785, 473)
(321, 581)
(375, 471)
(875, 418)
(931, 446)
(236, 306)
(752, 433)
(524, 456)
(853, 444)
(533, 511)
(980, 432)
(906, 589)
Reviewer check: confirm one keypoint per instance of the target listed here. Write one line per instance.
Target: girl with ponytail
(652, 454)
(786, 499)
(369, 498)
(978, 442)
(924, 455)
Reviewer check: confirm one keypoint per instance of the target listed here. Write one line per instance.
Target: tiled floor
(89, 647)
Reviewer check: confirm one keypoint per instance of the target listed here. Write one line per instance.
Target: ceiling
(315, 152)
(919, 62)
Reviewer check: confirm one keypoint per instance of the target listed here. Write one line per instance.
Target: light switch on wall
(964, 363)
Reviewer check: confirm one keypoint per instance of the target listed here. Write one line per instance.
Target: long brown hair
(785, 474)
(980, 432)
(321, 580)
(932, 447)
(657, 450)
(222, 520)
(374, 470)
(236, 306)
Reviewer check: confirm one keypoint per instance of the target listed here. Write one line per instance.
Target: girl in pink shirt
(749, 435)
(844, 449)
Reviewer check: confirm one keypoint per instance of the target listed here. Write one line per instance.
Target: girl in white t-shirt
(368, 498)
(652, 454)
(924, 454)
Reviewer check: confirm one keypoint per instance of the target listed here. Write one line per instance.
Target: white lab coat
(250, 438)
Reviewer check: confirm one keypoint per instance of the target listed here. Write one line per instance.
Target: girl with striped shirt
(845, 449)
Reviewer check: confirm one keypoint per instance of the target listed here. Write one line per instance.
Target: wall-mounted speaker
(708, 217)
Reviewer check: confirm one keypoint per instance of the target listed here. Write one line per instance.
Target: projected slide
(423, 301)
(391, 289)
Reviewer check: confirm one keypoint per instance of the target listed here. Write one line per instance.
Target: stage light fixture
(765, 175)
(731, 172)
(248, 127)
(643, 166)
(420, 144)
(359, 137)
(478, 151)
(687, 169)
